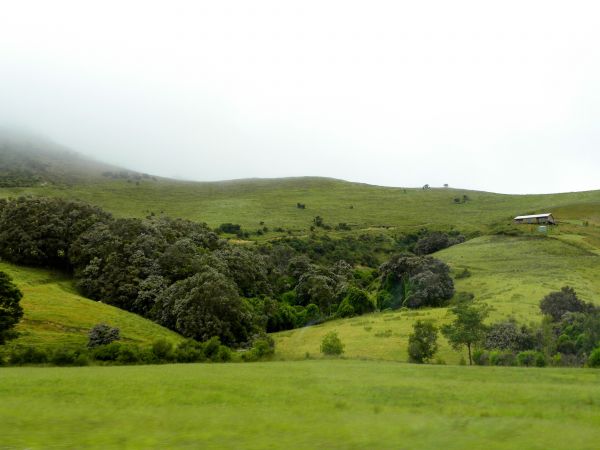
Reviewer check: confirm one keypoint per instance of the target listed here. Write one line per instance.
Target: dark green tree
(422, 342)
(556, 304)
(205, 305)
(10, 309)
(467, 329)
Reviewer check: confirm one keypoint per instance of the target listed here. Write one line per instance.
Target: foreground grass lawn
(305, 404)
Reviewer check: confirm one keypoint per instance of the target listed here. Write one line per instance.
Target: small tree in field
(102, 334)
(422, 342)
(10, 310)
(467, 328)
(332, 345)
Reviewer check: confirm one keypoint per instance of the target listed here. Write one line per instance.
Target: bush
(556, 304)
(481, 357)
(163, 350)
(500, 358)
(331, 344)
(594, 358)
(345, 309)
(109, 352)
(63, 357)
(102, 334)
(27, 355)
(531, 358)
(262, 348)
(189, 351)
(128, 355)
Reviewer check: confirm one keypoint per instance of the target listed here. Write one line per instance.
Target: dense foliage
(422, 342)
(10, 309)
(184, 276)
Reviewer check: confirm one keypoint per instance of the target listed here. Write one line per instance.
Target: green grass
(56, 315)
(310, 404)
(511, 274)
(249, 202)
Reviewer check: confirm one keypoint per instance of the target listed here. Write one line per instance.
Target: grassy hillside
(511, 274)
(56, 314)
(311, 404)
(249, 202)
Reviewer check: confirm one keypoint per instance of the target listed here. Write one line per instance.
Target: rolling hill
(511, 273)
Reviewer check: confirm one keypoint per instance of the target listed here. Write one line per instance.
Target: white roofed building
(545, 218)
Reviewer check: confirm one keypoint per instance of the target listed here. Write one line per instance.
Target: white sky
(499, 96)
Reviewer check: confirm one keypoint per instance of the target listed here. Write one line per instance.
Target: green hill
(55, 314)
(511, 274)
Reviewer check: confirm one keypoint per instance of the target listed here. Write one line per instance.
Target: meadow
(274, 202)
(309, 404)
(55, 315)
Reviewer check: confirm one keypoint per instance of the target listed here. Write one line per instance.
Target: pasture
(309, 404)
(273, 201)
(56, 315)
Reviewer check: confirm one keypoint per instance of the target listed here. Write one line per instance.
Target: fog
(500, 96)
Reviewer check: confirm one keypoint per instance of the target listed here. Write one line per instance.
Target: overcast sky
(499, 96)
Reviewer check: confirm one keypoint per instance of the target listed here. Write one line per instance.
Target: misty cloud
(501, 97)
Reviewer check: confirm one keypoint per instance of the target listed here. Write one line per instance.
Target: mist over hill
(30, 160)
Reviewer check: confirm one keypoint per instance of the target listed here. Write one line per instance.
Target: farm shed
(546, 218)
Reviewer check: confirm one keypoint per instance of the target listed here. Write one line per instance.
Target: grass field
(56, 314)
(311, 404)
(511, 274)
(273, 202)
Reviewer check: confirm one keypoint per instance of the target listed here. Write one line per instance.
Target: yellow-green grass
(249, 202)
(331, 404)
(511, 274)
(56, 315)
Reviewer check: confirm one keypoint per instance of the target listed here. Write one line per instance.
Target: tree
(422, 342)
(416, 281)
(10, 309)
(556, 304)
(331, 344)
(205, 305)
(467, 328)
(102, 334)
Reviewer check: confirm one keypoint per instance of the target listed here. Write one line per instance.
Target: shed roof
(533, 216)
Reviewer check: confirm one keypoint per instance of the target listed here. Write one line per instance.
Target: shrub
(189, 351)
(211, 348)
(27, 355)
(345, 309)
(594, 358)
(231, 228)
(331, 344)
(128, 355)
(109, 352)
(481, 357)
(163, 350)
(531, 358)
(466, 273)
(556, 304)
(10, 309)
(501, 358)
(102, 334)
(63, 357)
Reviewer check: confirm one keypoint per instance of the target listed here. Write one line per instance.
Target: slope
(511, 274)
(56, 315)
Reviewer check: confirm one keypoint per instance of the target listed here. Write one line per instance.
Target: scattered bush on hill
(331, 345)
(556, 304)
(102, 334)
(467, 329)
(422, 342)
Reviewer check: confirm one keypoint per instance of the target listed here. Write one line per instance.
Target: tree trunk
(470, 358)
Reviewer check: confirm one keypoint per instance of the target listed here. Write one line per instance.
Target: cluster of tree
(182, 275)
(569, 335)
